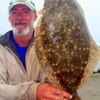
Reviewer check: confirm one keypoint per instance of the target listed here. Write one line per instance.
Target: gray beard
(23, 33)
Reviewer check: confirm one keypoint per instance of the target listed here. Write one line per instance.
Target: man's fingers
(66, 94)
(56, 97)
(51, 96)
(49, 92)
(59, 92)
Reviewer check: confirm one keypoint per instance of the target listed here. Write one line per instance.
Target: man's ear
(35, 17)
(9, 18)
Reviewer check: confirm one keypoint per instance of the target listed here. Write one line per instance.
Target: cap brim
(23, 3)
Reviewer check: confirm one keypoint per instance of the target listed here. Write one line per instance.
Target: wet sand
(91, 90)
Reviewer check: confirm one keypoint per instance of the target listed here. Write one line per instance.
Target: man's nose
(19, 15)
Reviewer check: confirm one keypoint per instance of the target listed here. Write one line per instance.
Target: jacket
(16, 83)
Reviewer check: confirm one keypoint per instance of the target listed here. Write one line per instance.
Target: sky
(91, 10)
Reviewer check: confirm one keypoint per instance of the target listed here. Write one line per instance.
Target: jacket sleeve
(22, 91)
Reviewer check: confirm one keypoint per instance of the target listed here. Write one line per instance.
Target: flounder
(64, 47)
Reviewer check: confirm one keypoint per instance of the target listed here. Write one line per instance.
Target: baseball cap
(29, 3)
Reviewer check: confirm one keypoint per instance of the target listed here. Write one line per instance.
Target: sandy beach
(91, 90)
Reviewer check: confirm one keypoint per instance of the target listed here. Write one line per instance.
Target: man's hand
(49, 92)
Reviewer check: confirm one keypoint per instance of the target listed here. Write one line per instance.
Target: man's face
(21, 19)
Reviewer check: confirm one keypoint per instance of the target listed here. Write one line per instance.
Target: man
(20, 75)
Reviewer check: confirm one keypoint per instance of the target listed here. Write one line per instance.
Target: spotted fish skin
(64, 47)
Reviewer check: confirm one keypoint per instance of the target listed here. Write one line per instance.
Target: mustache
(20, 22)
